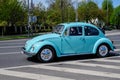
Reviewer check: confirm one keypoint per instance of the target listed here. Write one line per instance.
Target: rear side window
(90, 31)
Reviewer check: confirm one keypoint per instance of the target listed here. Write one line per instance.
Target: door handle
(82, 39)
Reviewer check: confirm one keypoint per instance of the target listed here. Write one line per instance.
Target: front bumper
(26, 53)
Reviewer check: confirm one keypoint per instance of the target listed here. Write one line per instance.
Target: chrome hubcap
(103, 50)
(46, 54)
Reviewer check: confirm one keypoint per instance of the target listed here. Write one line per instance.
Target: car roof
(77, 24)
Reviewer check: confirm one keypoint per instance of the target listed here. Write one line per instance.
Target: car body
(67, 39)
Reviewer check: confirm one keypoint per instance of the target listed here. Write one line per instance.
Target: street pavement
(16, 66)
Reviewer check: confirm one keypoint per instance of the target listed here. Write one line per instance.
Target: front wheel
(46, 54)
(102, 50)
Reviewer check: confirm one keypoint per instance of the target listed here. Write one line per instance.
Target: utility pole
(76, 19)
(30, 8)
(107, 13)
(28, 19)
(62, 9)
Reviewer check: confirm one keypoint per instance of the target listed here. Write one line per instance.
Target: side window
(90, 31)
(75, 31)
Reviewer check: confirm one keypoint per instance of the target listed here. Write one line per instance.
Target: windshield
(58, 29)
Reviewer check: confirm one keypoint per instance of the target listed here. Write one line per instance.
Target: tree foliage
(107, 8)
(61, 11)
(115, 18)
(15, 12)
(40, 12)
(11, 11)
(88, 10)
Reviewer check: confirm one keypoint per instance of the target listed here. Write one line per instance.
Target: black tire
(102, 51)
(46, 54)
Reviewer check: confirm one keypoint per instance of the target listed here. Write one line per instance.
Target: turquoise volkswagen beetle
(67, 39)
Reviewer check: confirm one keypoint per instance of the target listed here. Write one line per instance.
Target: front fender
(102, 41)
(41, 44)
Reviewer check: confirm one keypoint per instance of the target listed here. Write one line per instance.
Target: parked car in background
(67, 39)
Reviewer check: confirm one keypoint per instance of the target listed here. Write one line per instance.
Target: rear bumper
(114, 47)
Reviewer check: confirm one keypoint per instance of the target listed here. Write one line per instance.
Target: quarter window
(90, 31)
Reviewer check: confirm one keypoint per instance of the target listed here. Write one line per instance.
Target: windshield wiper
(57, 32)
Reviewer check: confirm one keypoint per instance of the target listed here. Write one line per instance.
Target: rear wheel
(103, 50)
(46, 54)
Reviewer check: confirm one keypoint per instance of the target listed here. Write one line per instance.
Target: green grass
(15, 37)
(24, 36)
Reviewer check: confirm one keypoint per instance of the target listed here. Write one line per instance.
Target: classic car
(68, 39)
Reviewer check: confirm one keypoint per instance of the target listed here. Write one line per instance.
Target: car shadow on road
(72, 58)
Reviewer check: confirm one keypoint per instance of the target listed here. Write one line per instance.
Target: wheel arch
(53, 46)
(106, 42)
(106, 45)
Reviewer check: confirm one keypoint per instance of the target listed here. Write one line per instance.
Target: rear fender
(102, 41)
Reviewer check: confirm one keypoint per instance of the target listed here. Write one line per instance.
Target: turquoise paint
(66, 45)
(101, 41)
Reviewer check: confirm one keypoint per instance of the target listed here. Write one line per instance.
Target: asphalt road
(16, 66)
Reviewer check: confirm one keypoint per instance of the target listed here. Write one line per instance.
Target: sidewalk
(24, 36)
(112, 32)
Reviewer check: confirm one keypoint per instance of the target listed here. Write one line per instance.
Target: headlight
(25, 44)
(32, 48)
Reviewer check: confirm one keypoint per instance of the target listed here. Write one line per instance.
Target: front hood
(44, 37)
(29, 43)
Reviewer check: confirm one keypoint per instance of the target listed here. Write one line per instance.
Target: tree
(107, 8)
(70, 13)
(60, 11)
(82, 11)
(11, 11)
(40, 12)
(67, 11)
(92, 10)
(88, 11)
(115, 17)
(3, 10)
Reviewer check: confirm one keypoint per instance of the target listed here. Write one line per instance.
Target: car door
(91, 36)
(73, 42)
